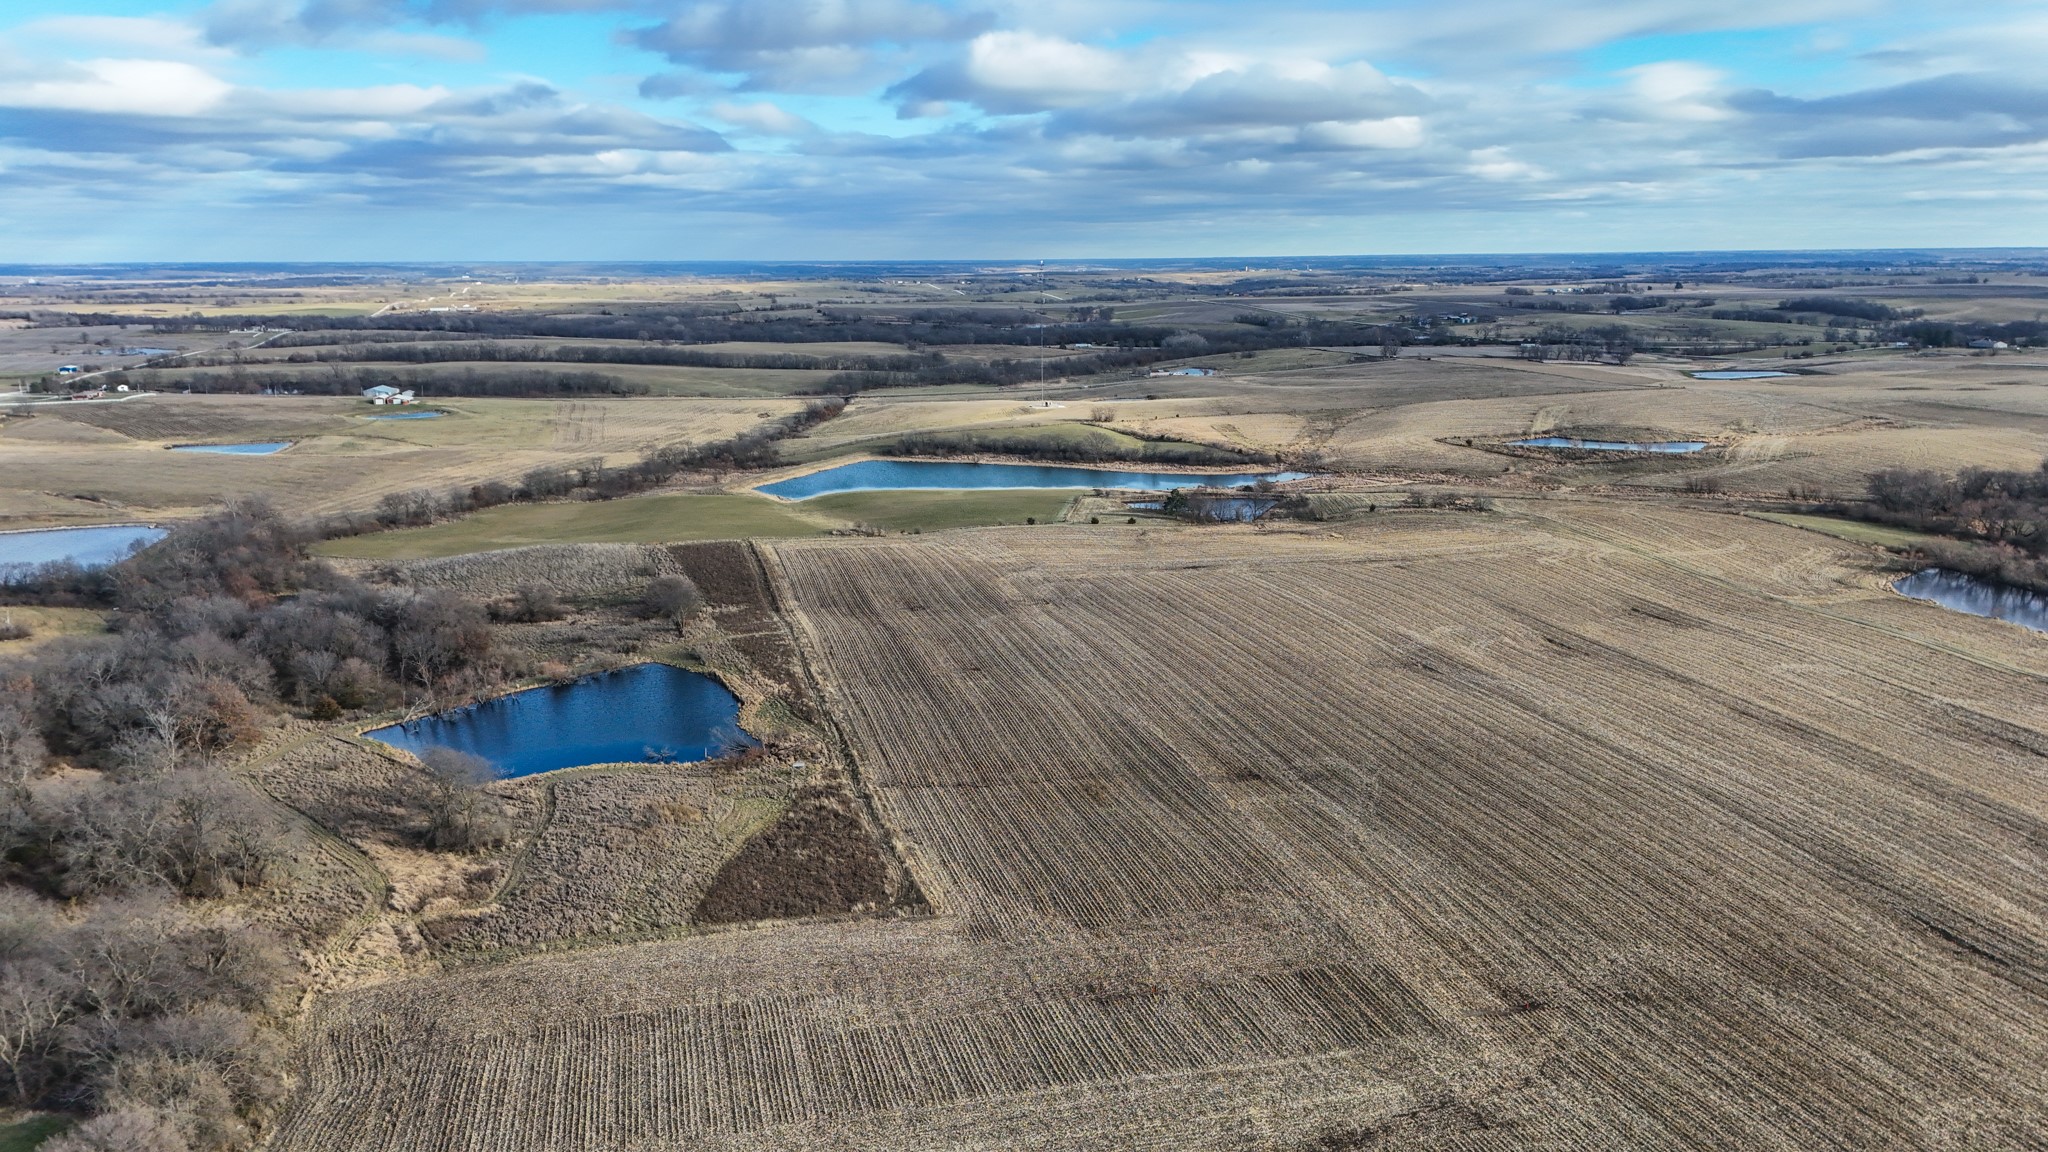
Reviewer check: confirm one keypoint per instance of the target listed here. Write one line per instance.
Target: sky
(439, 130)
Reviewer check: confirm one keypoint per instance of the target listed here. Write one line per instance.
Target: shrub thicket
(127, 991)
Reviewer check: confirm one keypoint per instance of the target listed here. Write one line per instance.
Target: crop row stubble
(1547, 831)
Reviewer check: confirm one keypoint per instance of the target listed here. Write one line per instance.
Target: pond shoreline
(795, 471)
(86, 546)
(514, 752)
(1050, 477)
(1977, 596)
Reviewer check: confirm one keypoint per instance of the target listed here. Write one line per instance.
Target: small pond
(262, 449)
(1668, 447)
(86, 547)
(1737, 374)
(648, 713)
(1977, 596)
(876, 475)
(408, 416)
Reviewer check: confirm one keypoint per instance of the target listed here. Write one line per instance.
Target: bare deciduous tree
(461, 815)
(672, 598)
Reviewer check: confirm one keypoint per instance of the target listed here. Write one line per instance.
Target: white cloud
(1124, 115)
(381, 102)
(133, 87)
(764, 118)
(1045, 70)
(1678, 90)
(155, 35)
(1495, 164)
(1392, 132)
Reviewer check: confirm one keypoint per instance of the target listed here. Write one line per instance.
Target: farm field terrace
(1580, 824)
(70, 460)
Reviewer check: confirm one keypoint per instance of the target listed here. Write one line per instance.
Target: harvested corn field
(1572, 825)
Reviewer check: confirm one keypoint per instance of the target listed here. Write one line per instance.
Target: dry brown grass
(23, 629)
(116, 453)
(572, 570)
(598, 854)
(1821, 432)
(623, 853)
(1572, 825)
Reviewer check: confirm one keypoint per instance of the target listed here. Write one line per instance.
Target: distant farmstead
(386, 394)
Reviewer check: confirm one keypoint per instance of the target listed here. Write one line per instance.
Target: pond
(263, 449)
(647, 713)
(877, 475)
(87, 547)
(1667, 447)
(1977, 596)
(408, 416)
(1737, 374)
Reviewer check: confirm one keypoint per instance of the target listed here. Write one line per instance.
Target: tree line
(2002, 515)
(338, 381)
(593, 479)
(129, 990)
(447, 351)
(913, 328)
(1071, 449)
(1564, 342)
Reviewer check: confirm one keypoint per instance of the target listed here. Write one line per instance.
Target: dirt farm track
(1578, 824)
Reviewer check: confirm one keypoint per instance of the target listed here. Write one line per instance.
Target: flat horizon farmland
(1576, 824)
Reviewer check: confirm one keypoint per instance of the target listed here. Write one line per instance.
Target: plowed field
(1573, 825)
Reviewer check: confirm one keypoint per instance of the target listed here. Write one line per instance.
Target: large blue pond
(409, 416)
(1965, 593)
(875, 475)
(1738, 374)
(1669, 447)
(263, 449)
(648, 712)
(20, 552)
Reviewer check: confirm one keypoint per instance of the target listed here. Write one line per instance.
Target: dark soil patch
(725, 572)
(772, 653)
(818, 858)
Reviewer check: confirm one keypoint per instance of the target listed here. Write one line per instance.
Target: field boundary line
(781, 603)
